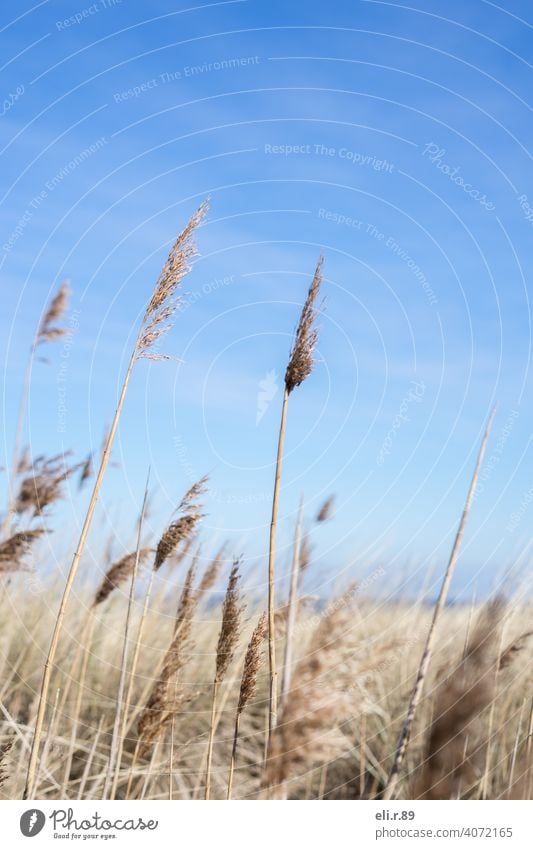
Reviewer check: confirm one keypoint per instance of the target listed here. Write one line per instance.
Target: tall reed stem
(273, 696)
(233, 755)
(212, 728)
(155, 323)
(29, 789)
(405, 733)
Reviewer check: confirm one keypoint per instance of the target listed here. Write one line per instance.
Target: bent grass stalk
(405, 733)
(155, 323)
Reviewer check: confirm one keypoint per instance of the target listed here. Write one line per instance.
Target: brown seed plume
(48, 330)
(252, 663)
(321, 698)
(161, 706)
(43, 486)
(87, 471)
(454, 740)
(305, 555)
(301, 358)
(118, 572)
(180, 530)
(15, 548)
(210, 576)
(24, 462)
(326, 510)
(164, 301)
(229, 630)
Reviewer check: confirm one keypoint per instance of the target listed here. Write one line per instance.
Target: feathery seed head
(453, 741)
(12, 550)
(118, 572)
(326, 510)
(48, 329)
(210, 576)
(164, 300)
(252, 663)
(229, 631)
(301, 357)
(182, 528)
(162, 705)
(43, 487)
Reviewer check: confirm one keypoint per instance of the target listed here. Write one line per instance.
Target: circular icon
(32, 822)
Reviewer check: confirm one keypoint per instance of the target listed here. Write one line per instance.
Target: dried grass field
(172, 678)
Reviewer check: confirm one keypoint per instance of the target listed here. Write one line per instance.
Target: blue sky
(393, 139)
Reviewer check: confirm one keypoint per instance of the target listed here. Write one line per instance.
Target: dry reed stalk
(484, 784)
(252, 664)
(14, 549)
(47, 331)
(529, 742)
(171, 761)
(155, 322)
(227, 642)
(405, 733)
(150, 771)
(119, 572)
(299, 367)
(464, 693)
(89, 761)
(115, 752)
(160, 708)
(308, 733)
(292, 612)
(48, 741)
(514, 757)
(362, 757)
(520, 785)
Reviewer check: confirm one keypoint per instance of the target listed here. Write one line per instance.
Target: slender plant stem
(49, 736)
(233, 755)
(112, 772)
(89, 762)
(132, 768)
(405, 733)
(212, 728)
(292, 612)
(171, 761)
(21, 418)
(272, 702)
(129, 720)
(29, 789)
(83, 654)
